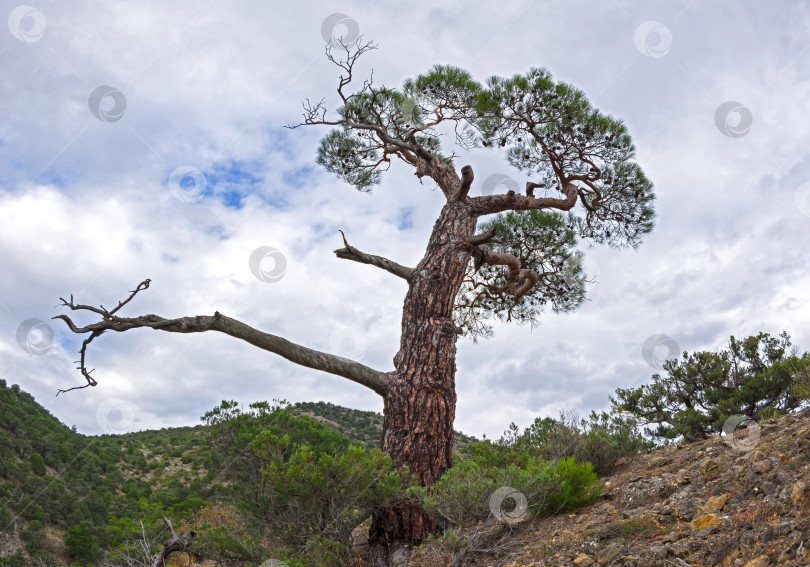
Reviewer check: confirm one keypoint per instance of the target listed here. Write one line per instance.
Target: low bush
(484, 498)
(603, 440)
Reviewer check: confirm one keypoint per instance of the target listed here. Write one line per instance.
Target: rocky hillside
(703, 504)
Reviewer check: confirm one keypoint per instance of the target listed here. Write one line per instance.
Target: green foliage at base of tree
(302, 482)
(464, 493)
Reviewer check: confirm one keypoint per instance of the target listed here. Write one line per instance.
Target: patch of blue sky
(405, 220)
(232, 180)
(279, 141)
(232, 199)
(322, 232)
(62, 336)
(300, 177)
(276, 199)
(218, 231)
(16, 175)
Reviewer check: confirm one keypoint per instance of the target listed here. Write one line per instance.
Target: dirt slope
(703, 504)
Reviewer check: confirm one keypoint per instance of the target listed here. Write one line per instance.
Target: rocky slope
(711, 503)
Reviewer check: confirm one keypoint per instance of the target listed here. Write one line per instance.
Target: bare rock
(761, 561)
(761, 466)
(798, 491)
(717, 502)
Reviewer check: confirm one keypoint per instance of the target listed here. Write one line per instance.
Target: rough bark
(420, 403)
(349, 252)
(511, 201)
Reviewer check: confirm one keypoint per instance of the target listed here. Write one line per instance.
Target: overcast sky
(106, 106)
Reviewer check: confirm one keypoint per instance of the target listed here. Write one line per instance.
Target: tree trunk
(420, 404)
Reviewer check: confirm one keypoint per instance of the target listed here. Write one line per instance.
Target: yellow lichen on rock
(583, 560)
(704, 522)
(761, 561)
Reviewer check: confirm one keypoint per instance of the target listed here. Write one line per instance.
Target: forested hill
(71, 497)
(362, 427)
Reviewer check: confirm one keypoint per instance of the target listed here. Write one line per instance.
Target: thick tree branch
(467, 177)
(484, 237)
(491, 204)
(530, 187)
(293, 352)
(585, 202)
(351, 253)
(439, 171)
(515, 273)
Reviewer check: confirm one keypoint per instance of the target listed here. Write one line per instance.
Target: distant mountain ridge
(362, 427)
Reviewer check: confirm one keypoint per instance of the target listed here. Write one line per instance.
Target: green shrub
(220, 544)
(603, 440)
(477, 499)
(800, 386)
(608, 440)
(462, 496)
(34, 534)
(33, 512)
(311, 494)
(16, 560)
(645, 526)
(324, 552)
(37, 464)
(6, 517)
(80, 544)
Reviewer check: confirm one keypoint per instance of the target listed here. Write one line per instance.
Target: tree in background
(81, 545)
(37, 464)
(505, 256)
(755, 377)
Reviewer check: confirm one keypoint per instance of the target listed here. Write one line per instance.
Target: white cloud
(84, 206)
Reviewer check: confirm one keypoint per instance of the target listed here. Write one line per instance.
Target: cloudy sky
(110, 111)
